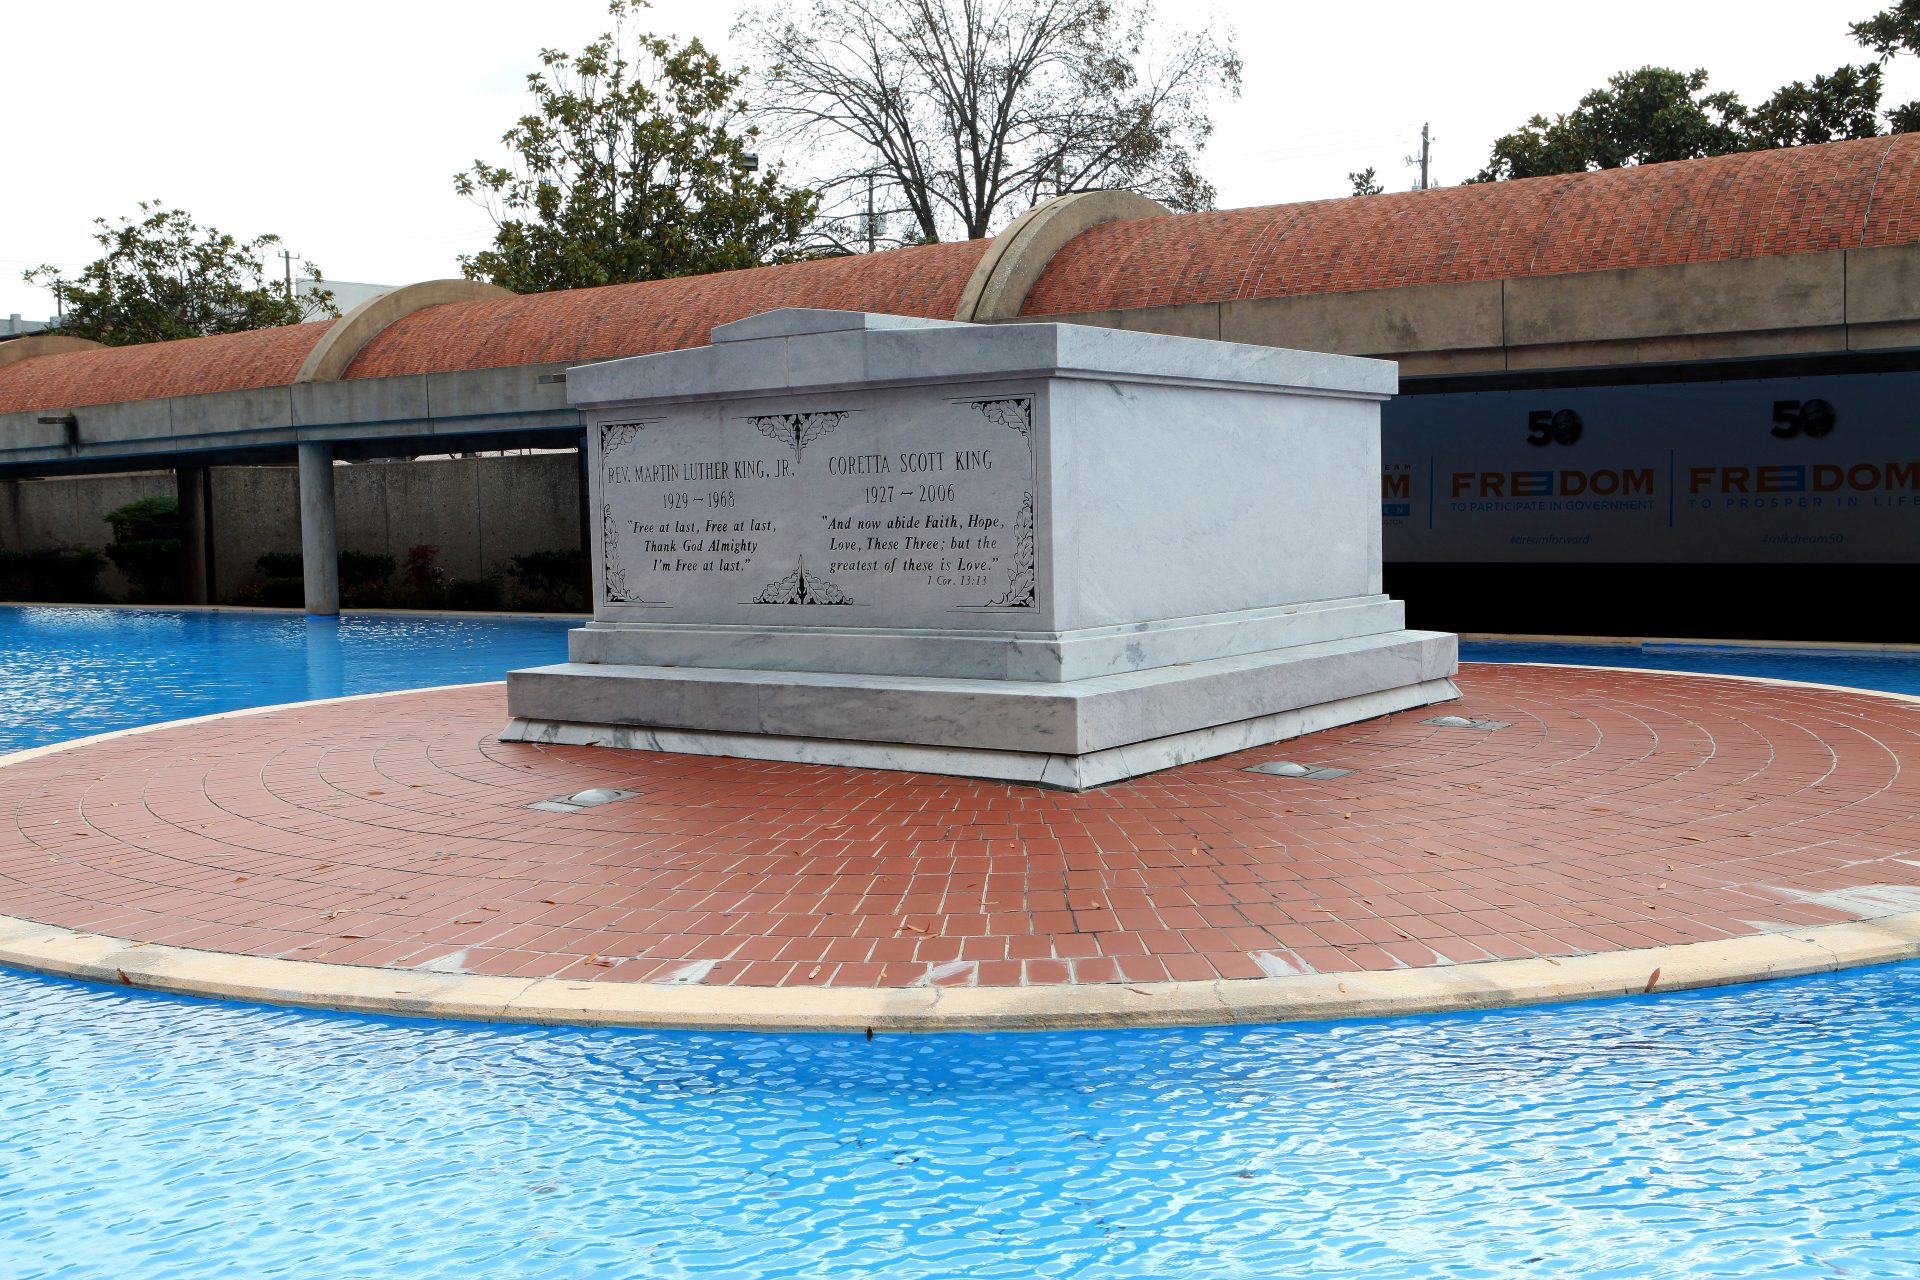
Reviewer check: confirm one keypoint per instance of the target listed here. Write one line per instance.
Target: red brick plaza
(1621, 810)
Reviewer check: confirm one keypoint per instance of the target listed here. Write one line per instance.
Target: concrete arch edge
(42, 344)
(348, 335)
(1015, 259)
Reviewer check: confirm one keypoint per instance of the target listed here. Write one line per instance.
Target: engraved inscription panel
(894, 509)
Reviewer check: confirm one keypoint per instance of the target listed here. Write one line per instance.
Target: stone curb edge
(1495, 984)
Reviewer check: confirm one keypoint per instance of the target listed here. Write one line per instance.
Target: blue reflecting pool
(65, 673)
(1892, 670)
(1757, 1131)
(1764, 1131)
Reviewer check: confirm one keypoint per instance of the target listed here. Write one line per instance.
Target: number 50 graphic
(1551, 426)
(1813, 418)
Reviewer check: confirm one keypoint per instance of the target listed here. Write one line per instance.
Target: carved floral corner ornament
(798, 430)
(801, 587)
(1016, 412)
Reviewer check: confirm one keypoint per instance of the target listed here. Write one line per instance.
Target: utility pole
(1426, 155)
(871, 228)
(286, 256)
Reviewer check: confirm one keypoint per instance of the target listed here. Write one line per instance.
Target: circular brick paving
(1621, 810)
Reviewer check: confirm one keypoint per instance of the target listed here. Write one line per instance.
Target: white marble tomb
(1044, 553)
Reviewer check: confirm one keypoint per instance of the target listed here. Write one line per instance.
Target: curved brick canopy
(1843, 195)
(569, 325)
(662, 315)
(153, 370)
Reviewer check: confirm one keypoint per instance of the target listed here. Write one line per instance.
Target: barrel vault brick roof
(1839, 196)
(1842, 195)
(151, 371)
(661, 315)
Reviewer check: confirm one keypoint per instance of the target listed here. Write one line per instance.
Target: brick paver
(1621, 810)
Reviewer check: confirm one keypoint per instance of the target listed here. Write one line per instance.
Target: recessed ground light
(1461, 722)
(588, 799)
(1288, 769)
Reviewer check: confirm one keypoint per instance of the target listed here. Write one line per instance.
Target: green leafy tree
(634, 164)
(1843, 105)
(1890, 32)
(1366, 182)
(146, 547)
(958, 115)
(164, 276)
(1657, 113)
(1640, 117)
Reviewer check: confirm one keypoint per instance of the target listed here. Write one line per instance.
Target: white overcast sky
(340, 126)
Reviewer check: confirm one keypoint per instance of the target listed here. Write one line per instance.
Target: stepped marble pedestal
(1038, 552)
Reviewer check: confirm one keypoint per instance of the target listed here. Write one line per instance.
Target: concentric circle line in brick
(376, 836)
(1799, 726)
(1802, 725)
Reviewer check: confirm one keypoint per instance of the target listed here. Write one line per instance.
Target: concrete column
(319, 544)
(196, 550)
(585, 505)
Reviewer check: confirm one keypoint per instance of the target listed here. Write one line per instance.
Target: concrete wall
(480, 512)
(69, 513)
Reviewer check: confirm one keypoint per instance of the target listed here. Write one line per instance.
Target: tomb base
(1069, 734)
(1040, 553)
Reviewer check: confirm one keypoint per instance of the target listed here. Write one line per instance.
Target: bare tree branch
(961, 114)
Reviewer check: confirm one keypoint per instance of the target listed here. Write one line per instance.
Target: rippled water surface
(1759, 1131)
(1764, 1131)
(69, 672)
(1896, 671)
